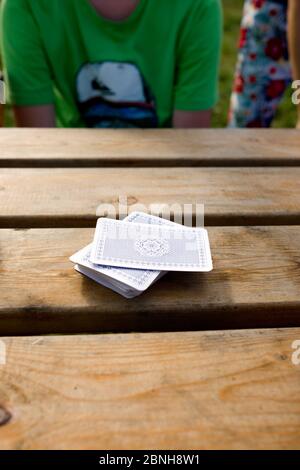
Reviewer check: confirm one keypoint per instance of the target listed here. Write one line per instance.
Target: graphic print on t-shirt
(114, 94)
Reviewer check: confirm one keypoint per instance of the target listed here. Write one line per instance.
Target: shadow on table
(177, 302)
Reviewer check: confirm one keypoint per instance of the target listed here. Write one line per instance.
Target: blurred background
(286, 116)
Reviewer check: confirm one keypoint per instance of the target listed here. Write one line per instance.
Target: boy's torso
(119, 70)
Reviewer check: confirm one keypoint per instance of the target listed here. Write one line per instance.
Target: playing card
(151, 247)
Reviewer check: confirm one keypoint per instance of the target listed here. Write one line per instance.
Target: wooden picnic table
(200, 360)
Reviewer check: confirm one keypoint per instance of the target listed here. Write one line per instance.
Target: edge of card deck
(135, 279)
(91, 274)
(138, 280)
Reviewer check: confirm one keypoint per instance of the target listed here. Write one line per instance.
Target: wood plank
(71, 197)
(215, 390)
(86, 147)
(255, 284)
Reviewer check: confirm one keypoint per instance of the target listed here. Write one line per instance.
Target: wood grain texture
(69, 147)
(71, 197)
(255, 283)
(214, 390)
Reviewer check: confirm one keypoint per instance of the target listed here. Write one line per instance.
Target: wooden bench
(139, 387)
(71, 197)
(255, 283)
(209, 390)
(149, 148)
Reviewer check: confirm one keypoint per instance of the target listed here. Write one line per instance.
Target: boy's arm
(198, 58)
(35, 116)
(26, 68)
(294, 41)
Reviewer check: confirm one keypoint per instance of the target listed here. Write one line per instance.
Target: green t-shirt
(100, 73)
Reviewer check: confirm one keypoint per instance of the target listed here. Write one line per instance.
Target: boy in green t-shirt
(112, 63)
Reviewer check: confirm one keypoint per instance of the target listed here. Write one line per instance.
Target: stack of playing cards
(129, 256)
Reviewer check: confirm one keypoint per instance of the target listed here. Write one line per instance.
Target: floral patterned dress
(263, 71)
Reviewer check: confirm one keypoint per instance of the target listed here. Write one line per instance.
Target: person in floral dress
(263, 69)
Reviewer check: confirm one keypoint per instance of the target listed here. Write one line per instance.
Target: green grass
(286, 116)
(232, 19)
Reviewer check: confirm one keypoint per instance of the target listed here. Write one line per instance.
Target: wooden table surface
(200, 390)
(139, 387)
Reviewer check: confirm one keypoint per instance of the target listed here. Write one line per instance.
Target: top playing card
(151, 247)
